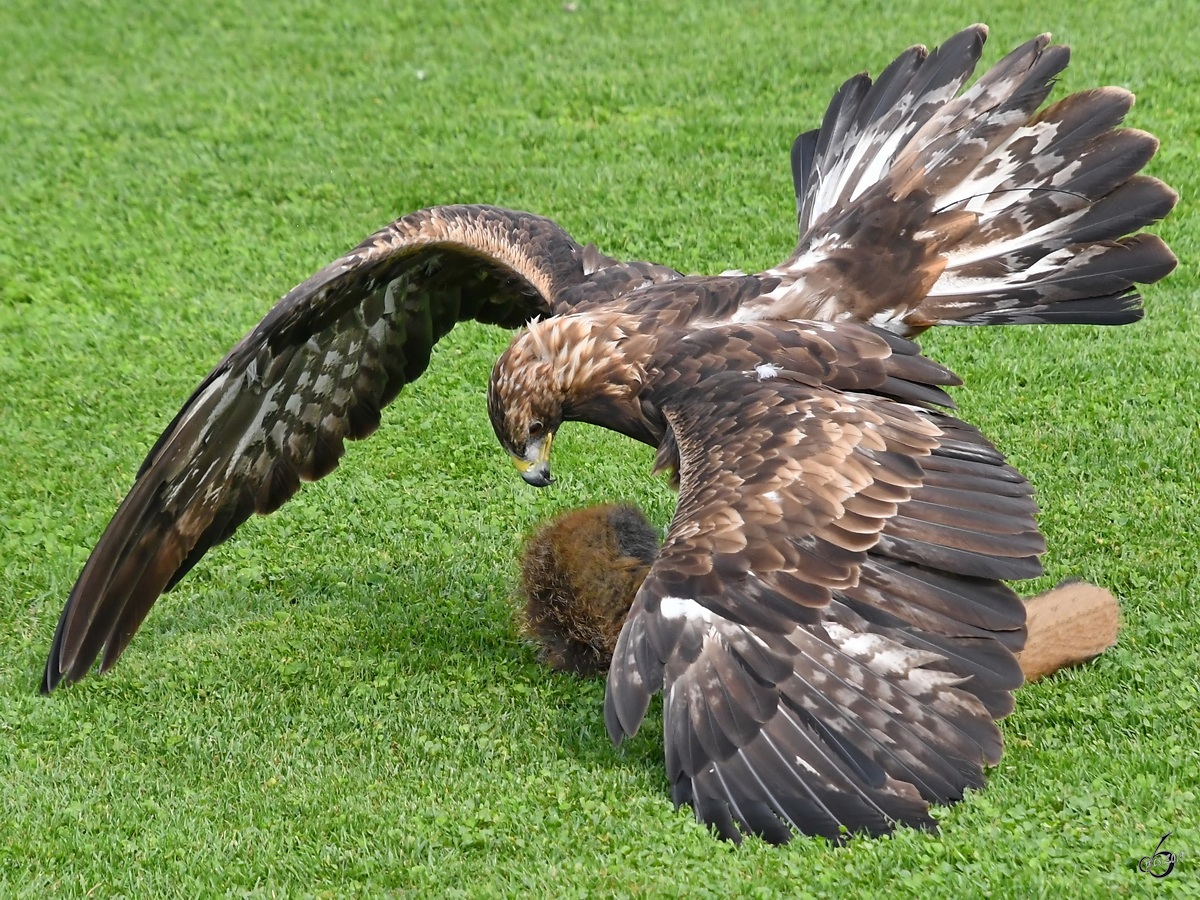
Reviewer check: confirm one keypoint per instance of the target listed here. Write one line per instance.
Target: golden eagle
(826, 616)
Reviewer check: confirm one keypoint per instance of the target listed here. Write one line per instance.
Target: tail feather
(981, 209)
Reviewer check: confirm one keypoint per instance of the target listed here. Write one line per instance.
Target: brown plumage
(579, 575)
(581, 571)
(827, 616)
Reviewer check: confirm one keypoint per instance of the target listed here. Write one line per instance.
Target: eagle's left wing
(318, 369)
(825, 615)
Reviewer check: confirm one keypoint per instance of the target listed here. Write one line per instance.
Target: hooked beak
(535, 467)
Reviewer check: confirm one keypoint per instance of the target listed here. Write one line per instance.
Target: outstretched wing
(825, 615)
(918, 205)
(274, 412)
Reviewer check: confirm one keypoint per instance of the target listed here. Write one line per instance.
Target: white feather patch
(881, 655)
(684, 608)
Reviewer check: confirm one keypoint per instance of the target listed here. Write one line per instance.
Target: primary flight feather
(827, 616)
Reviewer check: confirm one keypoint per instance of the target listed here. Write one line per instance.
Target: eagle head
(578, 367)
(525, 405)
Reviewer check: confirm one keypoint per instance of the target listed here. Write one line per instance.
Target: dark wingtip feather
(1063, 181)
(1114, 309)
(715, 813)
(804, 149)
(953, 61)
(52, 674)
(612, 722)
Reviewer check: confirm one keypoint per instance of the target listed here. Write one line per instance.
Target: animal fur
(1069, 625)
(579, 574)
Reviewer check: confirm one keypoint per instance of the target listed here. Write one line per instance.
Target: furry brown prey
(827, 616)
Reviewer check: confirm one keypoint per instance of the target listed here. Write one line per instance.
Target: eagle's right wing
(826, 616)
(316, 370)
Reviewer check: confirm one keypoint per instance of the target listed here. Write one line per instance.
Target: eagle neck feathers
(588, 358)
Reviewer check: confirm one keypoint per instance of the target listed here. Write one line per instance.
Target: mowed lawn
(336, 703)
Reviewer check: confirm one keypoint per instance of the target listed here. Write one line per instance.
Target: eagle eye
(535, 428)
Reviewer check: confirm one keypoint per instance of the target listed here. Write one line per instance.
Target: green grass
(335, 703)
